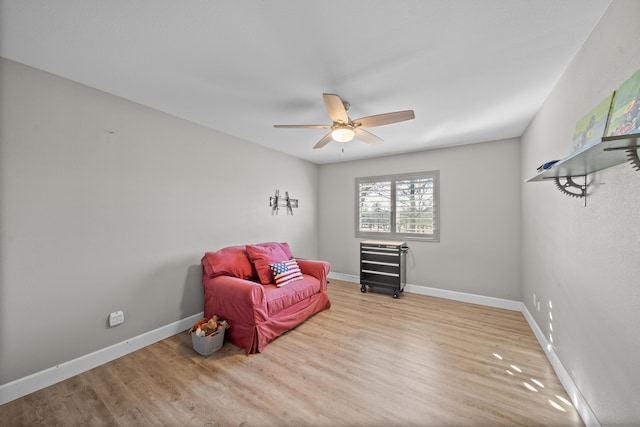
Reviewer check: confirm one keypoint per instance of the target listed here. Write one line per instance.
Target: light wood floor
(370, 360)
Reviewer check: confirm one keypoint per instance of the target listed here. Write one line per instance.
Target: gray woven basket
(207, 345)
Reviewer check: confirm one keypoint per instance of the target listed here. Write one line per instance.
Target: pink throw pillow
(264, 254)
(231, 261)
(287, 250)
(284, 246)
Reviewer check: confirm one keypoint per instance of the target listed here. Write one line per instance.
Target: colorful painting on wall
(590, 128)
(625, 115)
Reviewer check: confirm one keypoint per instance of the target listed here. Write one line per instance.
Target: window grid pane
(414, 206)
(375, 207)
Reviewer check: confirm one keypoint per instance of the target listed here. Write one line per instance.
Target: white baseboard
(442, 293)
(464, 297)
(345, 277)
(581, 405)
(39, 380)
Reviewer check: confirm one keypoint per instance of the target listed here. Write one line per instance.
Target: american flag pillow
(285, 272)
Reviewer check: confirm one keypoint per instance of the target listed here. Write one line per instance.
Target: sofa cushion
(282, 245)
(285, 248)
(279, 299)
(230, 261)
(264, 254)
(285, 272)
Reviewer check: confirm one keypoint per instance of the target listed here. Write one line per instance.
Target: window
(401, 207)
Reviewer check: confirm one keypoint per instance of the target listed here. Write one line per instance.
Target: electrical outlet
(116, 318)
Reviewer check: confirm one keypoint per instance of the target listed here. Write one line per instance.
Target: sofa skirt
(253, 338)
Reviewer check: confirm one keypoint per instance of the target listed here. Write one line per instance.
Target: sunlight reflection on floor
(532, 387)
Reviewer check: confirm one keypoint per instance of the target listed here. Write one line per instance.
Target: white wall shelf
(612, 151)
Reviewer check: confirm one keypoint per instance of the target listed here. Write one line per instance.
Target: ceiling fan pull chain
(342, 149)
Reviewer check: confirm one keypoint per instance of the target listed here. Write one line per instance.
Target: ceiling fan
(344, 129)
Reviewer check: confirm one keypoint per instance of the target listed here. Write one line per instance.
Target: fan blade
(384, 119)
(336, 109)
(367, 137)
(324, 141)
(303, 126)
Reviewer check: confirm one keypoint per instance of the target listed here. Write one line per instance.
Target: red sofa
(239, 287)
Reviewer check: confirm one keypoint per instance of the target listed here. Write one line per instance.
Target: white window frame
(392, 233)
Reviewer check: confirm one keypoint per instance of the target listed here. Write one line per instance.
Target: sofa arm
(317, 269)
(235, 298)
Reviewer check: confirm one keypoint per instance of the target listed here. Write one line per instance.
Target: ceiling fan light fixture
(343, 134)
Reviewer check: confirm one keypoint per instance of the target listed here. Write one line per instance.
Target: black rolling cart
(382, 264)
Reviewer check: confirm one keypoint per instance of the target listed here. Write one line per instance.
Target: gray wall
(92, 222)
(479, 248)
(585, 260)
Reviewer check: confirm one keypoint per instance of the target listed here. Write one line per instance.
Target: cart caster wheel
(395, 294)
(363, 289)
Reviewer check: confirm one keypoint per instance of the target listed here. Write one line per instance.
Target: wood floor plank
(370, 360)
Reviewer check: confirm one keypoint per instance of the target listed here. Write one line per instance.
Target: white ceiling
(472, 70)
